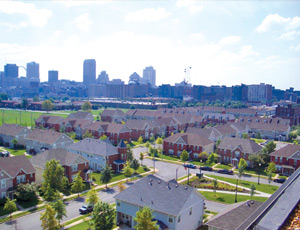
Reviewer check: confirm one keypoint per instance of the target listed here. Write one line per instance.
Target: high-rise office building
(89, 71)
(52, 76)
(33, 70)
(149, 73)
(103, 78)
(11, 71)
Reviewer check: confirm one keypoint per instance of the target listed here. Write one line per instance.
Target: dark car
(279, 180)
(191, 166)
(225, 171)
(206, 168)
(4, 154)
(86, 209)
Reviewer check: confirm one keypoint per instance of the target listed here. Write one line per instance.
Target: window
(280, 159)
(118, 203)
(276, 158)
(74, 168)
(295, 162)
(21, 179)
(179, 218)
(3, 183)
(171, 219)
(3, 195)
(31, 174)
(191, 211)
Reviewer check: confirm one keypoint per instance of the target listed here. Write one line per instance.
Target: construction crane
(187, 89)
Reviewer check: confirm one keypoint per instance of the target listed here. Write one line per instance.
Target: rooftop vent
(185, 188)
(159, 181)
(176, 185)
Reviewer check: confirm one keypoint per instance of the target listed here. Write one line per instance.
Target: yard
(221, 166)
(28, 204)
(16, 152)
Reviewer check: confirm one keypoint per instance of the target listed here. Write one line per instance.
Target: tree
(103, 216)
(103, 137)
(87, 135)
(258, 135)
(121, 186)
(184, 155)
(144, 219)
(14, 142)
(243, 163)
(159, 141)
(47, 105)
(269, 178)
(252, 190)
(127, 170)
(245, 136)
(147, 145)
(240, 172)
(48, 218)
(60, 209)
(53, 177)
(256, 159)
(129, 154)
(78, 184)
(10, 206)
(270, 147)
(271, 167)
(65, 185)
(141, 158)
(86, 106)
(92, 197)
(215, 184)
(26, 192)
(36, 99)
(203, 156)
(152, 139)
(106, 175)
(24, 103)
(140, 140)
(211, 158)
(135, 164)
(218, 143)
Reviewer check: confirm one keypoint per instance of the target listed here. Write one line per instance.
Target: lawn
(261, 187)
(115, 177)
(230, 198)
(220, 166)
(3, 212)
(17, 152)
(262, 173)
(258, 141)
(80, 226)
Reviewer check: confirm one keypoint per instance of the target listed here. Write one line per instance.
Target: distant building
(89, 71)
(116, 82)
(288, 112)
(52, 76)
(11, 71)
(134, 78)
(149, 74)
(33, 70)
(103, 78)
(261, 92)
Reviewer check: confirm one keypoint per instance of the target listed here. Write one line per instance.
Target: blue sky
(225, 42)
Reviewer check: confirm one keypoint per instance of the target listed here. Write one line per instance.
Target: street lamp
(258, 173)
(200, 168)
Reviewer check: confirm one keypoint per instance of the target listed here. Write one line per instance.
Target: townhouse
(49, 122)
(8, 132)
(77, 126)
(140, 128)
(217, 118)
(113, 115)
(82, 115)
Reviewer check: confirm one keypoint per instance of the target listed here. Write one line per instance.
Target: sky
(224, 42)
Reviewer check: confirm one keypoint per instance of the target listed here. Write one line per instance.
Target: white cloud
(247, 51)
(37, 17)
(295, 48)
(275, 22)
(197, 36)
(147, 15)
(230, 40)
(76, 3)
(290, 35)
(192, 5)
(83, 22)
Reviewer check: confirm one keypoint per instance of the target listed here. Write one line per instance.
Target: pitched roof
(136, 124)
(246, 145)
(82, 123)
(189, 139)
(286, 151)
(112, 112)
(46, 136)
(117, 128)
(80, 115)
(12, 165)
(158, 195)
(49, 119)
(63, 156)
(11, 129)
(234, 215)
(94, 146)
(122, 144)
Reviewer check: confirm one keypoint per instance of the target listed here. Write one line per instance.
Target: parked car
(225, 171)
(191, 166)
(4, 154)
(279, 180)
(86, 209)
(206, 168)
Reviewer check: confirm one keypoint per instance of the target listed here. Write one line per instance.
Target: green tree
(258, 135)
(140, 140)
(129, 154)
(135, 164)
(103, 137)
(92, 197)
(65, 185)
(184, 155)
(26, 192)
(48, 218)
(24, 103)
(87, 135)
(141, 158)
(159, 141)
(252, 190)
(14, 142)
(72, 135)
(147, 145)
(269, 178)
(52, 179)
(10, 206)
(121, 186)
(103, 216)
(211, 158)
(78, 184)
(60, 209)
(215, 184)
(36, 99)
(86, 106)
(127, 170)
(245, 136)
(270, 147)
(243, 163)
(240, 172)
(47, 105)
(256, 159)
(271, 167)
(203, 156)
(152, 139)
(106, 175)
(144, 219)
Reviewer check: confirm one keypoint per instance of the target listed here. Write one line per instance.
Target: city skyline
(225, 43)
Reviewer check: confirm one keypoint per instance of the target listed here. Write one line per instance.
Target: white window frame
(179, 218)
(3, 183)
(21, 179)
(171, 219)
(3, 195)
(74, 168)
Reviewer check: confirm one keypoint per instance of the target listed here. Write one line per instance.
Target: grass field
(230, 198)
(223, 167)
(258, 141)
(262, 172)
(261, 187)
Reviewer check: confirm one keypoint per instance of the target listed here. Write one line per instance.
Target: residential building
(33, 70)
(8, 132)
(288, 112)
(231, 150)
(174, 206)
(286, 159)
(13, 171)
(81, 115)
(261, 92)
(89, 72)
(71, 162)
(49, 122)
(192, 143)
(141, 128)
(78, 126)
(112, 115)
(101, 153)
(52, 76)
(39, 140)
(149, 73)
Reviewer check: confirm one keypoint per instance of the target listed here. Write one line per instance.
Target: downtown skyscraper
(149, 73)
(33, 70)
(89, 72)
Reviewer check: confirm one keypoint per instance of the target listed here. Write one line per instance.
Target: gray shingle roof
(46, 136)
(246, 145)
(159, 195)
(189, 139)
(286, 151)
(12, 165)
(11, 129)
(94, 146)
(81, 115)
